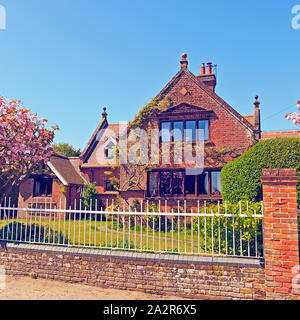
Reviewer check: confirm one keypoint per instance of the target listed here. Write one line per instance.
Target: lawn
(185, 235)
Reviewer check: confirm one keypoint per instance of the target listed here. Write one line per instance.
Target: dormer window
(109, 151)
(108, 148)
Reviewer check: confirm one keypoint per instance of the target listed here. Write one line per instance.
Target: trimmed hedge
(241, 178)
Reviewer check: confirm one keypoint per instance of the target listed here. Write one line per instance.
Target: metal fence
(220, 229)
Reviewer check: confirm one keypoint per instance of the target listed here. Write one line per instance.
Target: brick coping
(137, 256)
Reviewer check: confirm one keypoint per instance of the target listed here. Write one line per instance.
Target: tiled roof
(66, 169)
(250, 118)
(279, 134)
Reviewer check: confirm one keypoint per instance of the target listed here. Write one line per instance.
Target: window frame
(108, 189)
(196, 194)
(197, 120)
(48, 187)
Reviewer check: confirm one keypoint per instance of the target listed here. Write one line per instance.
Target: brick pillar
(280, 230)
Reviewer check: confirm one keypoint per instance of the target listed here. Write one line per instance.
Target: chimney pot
(203, 68)
(209, 68)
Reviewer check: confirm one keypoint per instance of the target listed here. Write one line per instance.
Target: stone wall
(184, 276)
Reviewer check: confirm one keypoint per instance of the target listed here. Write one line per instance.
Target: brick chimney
(207, 76)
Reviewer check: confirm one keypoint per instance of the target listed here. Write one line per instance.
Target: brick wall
(225, 129)
(184, 276)
(281, 244)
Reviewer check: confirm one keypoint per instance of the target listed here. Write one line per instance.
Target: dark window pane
(189, 185)
(177, 183)
(153, 184)
(49, 187)
(37, 186)
(43, 187)
(216, 182)
(109, 186)
(178, 131)
(165, 183)
(203, 126)
(190, 130)
(166, 131)
(203, 183)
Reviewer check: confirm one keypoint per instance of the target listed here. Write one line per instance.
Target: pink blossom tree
(295, 117)
(24, 144)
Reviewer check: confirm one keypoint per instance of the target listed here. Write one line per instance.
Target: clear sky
(66, 59)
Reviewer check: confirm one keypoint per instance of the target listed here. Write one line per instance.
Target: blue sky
(66, 59)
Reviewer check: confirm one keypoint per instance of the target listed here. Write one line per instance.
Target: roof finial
(256, 102)
(184, 61)
(104, 113)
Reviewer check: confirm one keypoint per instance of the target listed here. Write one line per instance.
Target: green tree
(66, 149)
(89, 195)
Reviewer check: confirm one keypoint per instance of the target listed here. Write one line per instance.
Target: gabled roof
(90, 156)
(208, 91)
(87, 149)
(66, 169)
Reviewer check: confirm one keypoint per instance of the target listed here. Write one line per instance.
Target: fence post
(280, 232)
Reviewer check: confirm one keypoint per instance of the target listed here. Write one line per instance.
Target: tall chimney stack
(207, 77)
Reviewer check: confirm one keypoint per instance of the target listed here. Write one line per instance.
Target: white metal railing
(223, 229)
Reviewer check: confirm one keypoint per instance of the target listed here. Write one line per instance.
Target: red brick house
(194, 112)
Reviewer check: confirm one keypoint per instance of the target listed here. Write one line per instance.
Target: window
(189, 184)
(109, 154)
(153, 184)
(190, 130)
(109, 186)
(176, 183)
(202, 183)
(166, 183)
(216, 182)
(42, 187)
(178, 131)
(184, 130)
(166, 131)
(203, 129)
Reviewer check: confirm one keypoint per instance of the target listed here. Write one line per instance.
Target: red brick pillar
(280, 231)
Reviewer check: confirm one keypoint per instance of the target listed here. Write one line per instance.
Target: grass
(111, 235)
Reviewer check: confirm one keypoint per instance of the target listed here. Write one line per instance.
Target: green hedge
(241, 179)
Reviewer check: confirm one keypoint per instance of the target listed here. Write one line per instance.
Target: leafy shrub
(241, 179)
(231, 235)
(31, 233)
